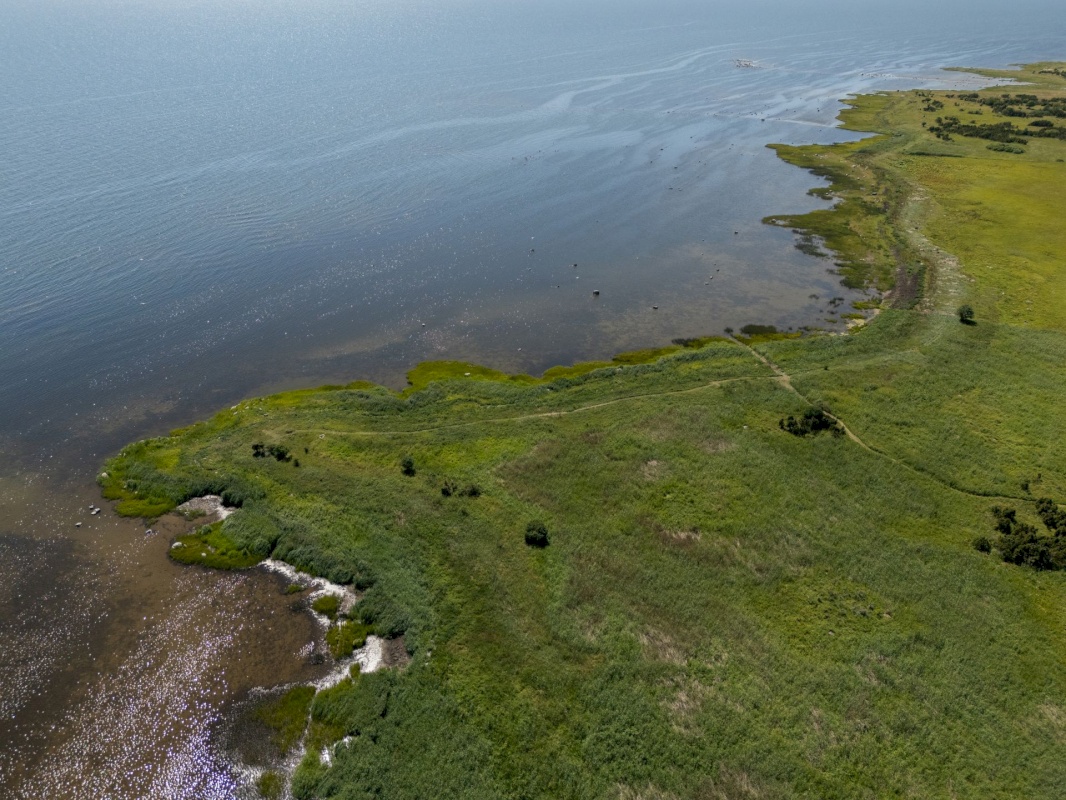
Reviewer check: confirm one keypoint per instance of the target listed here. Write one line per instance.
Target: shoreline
(448, 374)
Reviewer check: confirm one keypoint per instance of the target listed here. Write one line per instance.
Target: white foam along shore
(318, 586)
(209, 504)
(370, 657)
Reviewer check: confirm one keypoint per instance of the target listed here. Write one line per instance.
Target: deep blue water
(200, 201)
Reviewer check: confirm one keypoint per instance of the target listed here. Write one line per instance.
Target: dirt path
(779, 376)
(542, 414)
(786, 381)
(944, 276)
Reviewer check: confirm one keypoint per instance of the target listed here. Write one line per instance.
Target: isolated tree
(407, 466)
(537, 534)
(966, 315)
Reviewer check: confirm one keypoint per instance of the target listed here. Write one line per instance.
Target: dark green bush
(1006, 148)
(537, 534)
(982, 544)
(278, 451)
(1054, 519)
(1022, 544)
(966, 315)
(813, 421)
(407, 466)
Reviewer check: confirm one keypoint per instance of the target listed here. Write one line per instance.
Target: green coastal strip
(715, 600)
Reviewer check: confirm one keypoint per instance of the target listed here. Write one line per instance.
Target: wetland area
(187, 224)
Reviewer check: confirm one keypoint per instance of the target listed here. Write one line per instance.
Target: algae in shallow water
(286, 715)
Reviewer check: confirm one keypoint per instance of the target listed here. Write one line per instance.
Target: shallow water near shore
(204, 204)
(124, 662)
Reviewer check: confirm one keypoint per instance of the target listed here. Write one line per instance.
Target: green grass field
(724, 610)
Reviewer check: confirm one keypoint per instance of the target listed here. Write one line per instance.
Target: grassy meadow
(724, 610)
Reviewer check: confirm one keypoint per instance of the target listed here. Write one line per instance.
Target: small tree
(1054, 519)
(966, 315)
(982, 545)
(537, 534)
(407, 466)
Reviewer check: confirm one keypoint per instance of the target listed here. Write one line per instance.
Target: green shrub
(253, 530)
(1022, 544)
(1006, 148)
(306, 777)
(1054, 519)
(279, 452)
(966, 315)
(537, 534)
(407, 466)
(386, 612)
(813, 421)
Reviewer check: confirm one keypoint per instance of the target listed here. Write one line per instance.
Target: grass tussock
(210, 547)
(286, 716)
(345, 637)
